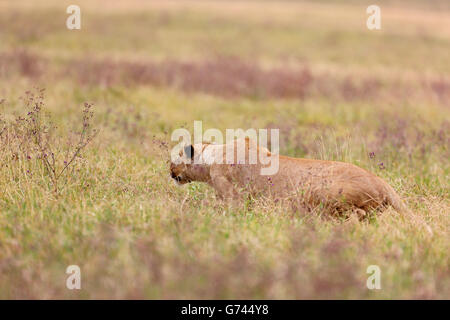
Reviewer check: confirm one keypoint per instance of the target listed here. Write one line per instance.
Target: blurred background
(312, 69)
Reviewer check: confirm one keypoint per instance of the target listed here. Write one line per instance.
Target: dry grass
(216, 77)
(312, 70)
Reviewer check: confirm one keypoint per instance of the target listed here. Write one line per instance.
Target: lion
(337, 185)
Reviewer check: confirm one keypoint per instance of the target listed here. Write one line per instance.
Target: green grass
(135, 234)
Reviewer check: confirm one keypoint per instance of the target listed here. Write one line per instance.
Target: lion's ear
(189, 151)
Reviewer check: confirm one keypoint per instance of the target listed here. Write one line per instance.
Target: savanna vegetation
(85, 123)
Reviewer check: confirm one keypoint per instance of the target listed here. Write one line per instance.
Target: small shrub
(34, 137)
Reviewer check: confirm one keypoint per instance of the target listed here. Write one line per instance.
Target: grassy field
(378, 99)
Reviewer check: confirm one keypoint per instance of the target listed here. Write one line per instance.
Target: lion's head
(189, 165)
(181, 165)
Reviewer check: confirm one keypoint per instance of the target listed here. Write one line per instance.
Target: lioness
(338, 185)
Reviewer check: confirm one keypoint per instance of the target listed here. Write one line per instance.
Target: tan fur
(338, 185)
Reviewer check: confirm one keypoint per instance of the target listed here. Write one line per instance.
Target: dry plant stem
(40, 133)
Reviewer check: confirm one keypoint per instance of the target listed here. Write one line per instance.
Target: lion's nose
(174, 176)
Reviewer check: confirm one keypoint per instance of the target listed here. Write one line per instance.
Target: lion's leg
(224, 188)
